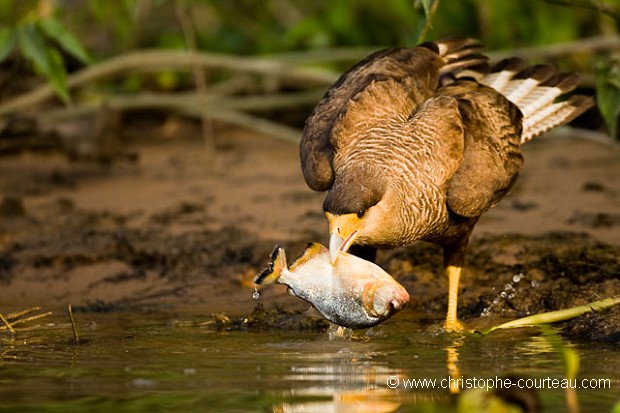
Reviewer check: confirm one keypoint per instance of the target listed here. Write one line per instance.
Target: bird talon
(453, 326)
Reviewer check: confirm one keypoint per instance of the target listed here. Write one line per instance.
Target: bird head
(352, 209)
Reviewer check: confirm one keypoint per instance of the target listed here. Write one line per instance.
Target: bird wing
(491, 155)
(418, 71)
(415, 69)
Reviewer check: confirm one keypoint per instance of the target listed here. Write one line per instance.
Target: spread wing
(418, 71)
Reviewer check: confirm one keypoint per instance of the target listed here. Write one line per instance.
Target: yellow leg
(452, 324)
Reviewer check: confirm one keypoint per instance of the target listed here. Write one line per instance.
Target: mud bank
(167, 232)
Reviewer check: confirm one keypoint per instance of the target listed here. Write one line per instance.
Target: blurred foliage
(32, 28)
(607, 81)
(40, 38)
(270, 26)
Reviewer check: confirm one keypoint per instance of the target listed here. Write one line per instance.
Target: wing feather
(491, 154)
(417, 71)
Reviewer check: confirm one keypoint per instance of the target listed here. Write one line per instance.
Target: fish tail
(277, 264)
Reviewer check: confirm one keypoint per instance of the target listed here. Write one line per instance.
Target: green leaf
(32, 46)
(58, 74)
(607, 84)
(55, 30)
(7, 42)
(45, 59)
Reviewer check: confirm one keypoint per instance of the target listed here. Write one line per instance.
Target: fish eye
(361, 213)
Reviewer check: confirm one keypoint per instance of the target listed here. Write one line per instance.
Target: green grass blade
(556, 316)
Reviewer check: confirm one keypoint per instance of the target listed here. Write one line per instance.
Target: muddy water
(161, 362)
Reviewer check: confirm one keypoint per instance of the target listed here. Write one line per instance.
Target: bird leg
(452, 323)
(454, 259)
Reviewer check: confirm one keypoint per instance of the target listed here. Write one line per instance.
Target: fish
(352, 293)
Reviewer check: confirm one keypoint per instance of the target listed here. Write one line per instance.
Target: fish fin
(312, 249)
(277, 264)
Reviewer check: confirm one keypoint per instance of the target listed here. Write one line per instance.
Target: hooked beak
(343, 230)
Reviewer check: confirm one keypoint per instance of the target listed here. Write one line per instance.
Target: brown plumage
(417, 143)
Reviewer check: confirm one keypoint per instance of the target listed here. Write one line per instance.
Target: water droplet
(511, 296)
(535, 284)
(256, 294)
(503, 294)
(516, 278)
(508, 287)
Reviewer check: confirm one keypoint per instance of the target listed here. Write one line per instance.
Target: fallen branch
(223, 109)
(556, 316)
(189, 102)
(7, 324)
(589, 46)
(285, 66)
(157, 60)
(21, 313)
(11, 320)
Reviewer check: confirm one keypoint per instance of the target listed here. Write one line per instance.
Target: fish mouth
(381, 300)
(337, 244)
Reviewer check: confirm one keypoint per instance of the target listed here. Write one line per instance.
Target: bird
(416, 143)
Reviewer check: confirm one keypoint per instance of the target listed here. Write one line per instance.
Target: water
(141, 362)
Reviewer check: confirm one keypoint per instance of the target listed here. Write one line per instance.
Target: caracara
(417, 143)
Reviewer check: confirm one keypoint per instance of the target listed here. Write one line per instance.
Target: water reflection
(367, 375)
(452, 365)
(140, 363)
(346, 380)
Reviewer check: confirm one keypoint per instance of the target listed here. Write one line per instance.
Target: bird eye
(361, 213)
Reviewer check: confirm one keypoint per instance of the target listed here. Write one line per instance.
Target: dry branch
(224, 109)
(186, 101)
(7, 324)
(158, 60)
(287, 66)
(282, 68)
(11, 320)
(587, 46)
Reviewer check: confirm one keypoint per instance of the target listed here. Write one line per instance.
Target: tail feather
(564, 81)
(502, 72)
(555, 115)
(534, 90)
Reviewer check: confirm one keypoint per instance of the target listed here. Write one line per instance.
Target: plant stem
(555, 316)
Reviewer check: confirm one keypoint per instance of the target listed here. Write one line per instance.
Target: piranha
(352, 292)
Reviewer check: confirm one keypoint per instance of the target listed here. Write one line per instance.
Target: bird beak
(343, 230)
(335, 244)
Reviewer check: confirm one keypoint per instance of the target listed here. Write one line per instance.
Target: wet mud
(197, 243)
